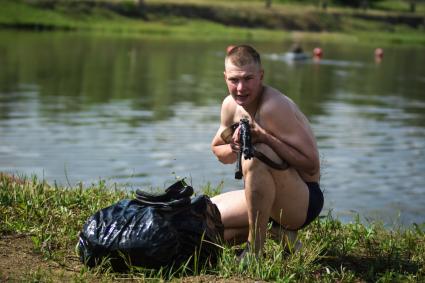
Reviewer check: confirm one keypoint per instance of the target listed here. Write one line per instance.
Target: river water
(140, 113)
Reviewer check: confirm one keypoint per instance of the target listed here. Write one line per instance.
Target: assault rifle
(246, 146)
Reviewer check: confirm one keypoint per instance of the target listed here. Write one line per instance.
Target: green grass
(400, 6)
(78, 17)
(293, 6)
(332, 251)
(15, 14)
(20, 14)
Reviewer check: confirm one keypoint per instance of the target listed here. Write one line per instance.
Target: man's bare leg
(260, 194)
(280, 194)
(234, 215)
(287, 238)
(289, 206)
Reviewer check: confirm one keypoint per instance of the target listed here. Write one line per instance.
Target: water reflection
(371, 158)
(78, 108)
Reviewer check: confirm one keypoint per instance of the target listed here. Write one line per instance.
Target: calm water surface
(78, 108)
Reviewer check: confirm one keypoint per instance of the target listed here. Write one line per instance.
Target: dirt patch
(19, 261)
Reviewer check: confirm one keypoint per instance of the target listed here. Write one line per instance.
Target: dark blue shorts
(315, 205)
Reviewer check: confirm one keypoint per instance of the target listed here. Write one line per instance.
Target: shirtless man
(279, 130)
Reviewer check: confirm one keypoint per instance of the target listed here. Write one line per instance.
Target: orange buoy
(229, 48)
(317, 52)
(379, 53)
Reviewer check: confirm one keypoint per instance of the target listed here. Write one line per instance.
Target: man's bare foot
(287, 238)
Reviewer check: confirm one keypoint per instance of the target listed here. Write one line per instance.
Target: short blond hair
(241, 55)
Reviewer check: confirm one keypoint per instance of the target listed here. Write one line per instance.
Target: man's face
(244, 83)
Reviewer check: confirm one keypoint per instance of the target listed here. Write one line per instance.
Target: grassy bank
(39, 224)
(215, 20)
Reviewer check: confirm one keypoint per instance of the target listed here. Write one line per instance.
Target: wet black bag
(154, 231)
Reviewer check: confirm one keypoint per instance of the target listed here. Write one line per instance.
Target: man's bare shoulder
(275, 100)
(228, 110)
(228, 101)
(279, 111)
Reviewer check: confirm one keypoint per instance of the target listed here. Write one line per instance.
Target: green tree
(357, 3)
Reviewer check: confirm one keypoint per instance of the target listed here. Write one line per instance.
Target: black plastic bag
(154, 231)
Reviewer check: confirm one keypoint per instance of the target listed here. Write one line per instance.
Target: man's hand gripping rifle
(247, 149)
(246, 146)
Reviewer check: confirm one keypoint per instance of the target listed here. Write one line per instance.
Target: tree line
(364, 4)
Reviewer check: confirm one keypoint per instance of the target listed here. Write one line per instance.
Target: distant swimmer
(296, 48)
(296, 53)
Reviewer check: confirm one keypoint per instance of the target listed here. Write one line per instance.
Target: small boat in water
(294, 56)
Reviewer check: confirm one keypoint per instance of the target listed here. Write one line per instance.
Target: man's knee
(259, 180)
(268, 151)
(254, 166)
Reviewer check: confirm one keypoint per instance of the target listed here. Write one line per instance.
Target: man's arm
(225, 152)
(287, 132)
